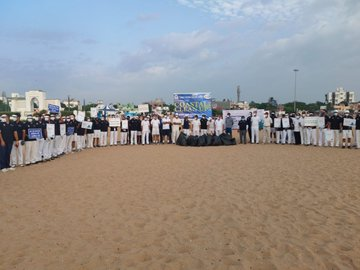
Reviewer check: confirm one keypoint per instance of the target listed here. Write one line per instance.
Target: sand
(168, 207)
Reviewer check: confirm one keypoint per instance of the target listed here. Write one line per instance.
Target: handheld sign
(285, 122)
(329, 135)
(311, 121)
(70, 131)
(35, 133)
(321, 122)
(80, 116)
(50, 130)
(277, 123)
(86, 125)
(349, 122)
(93, 112)
(143, 108)
(53, 108)
(114, 122)
(62, 129)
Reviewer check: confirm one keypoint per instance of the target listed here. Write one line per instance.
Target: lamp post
(295, 71)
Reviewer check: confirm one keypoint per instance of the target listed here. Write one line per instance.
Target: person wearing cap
(242, 129)
(357, 130)
(335, 124)
(17, 156)
(229, 122)
(346, 131)
(176, 126)
(155, 129)
(124, 128)
(145, 130)
(186, 126)
(255, 121)
(211, 126)
(31, 146)
(267, 128)
(8, 135)
(203, 125)
(219, 126)
(195, 123)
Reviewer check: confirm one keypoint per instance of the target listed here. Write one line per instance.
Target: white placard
(321, 122)
(86, 125)
(311, 121)
(143, 108)
(124, 124)
(93, 112)
(349, 122)
(80, 116)
(50, 131)
(62, 129)
(277, 123)
(285, 122)
(114, 122)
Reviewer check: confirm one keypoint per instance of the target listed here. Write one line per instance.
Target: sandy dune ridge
(169, 207)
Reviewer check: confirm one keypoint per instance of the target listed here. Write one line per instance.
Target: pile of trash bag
(205, 140)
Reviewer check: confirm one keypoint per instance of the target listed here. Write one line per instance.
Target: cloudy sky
(137, 50)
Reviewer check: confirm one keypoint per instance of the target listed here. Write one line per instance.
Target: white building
(72, 103)
(34, 101)
(340, 95)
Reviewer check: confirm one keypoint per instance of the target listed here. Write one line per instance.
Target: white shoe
(12, 169)
(4, 170)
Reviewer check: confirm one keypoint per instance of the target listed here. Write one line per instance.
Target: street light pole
(295, 71)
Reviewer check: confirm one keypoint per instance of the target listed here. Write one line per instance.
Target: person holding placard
(31, 146)
(17, 156)
(90, 134)
(346, 131)
(357, 130)
(124, 130)
(49, 135)
(80, 138)
(70, 130)
(113, 134)
(335, 124)
(286, 132)
(297, 125)
(278, 128)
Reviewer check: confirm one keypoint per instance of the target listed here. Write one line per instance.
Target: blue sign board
(53, 108)
(34, 133)
(70, 131)
(191, 104)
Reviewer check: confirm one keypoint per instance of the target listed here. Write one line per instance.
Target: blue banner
(70, 131)
(191, 104)
(53, 108)
(34, 133)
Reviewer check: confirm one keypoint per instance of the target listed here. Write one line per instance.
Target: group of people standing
(31, 141)
(294, 129)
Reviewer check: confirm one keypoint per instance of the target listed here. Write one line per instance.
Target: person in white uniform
(219, 126)
(155, 129)
(267, 128)
(124, 130)
(145, 131)
(255, 121)
(176, 126)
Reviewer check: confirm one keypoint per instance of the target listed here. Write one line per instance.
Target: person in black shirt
(335, 124)
(80, 138)
(357, 130)
(90, 134)
(242, 129)
(203, 125)
(31, 146)
(17, 156)
(104, 125)
(7, 135)
(248, 120)
(272, 130)
(186, 126)
(346, 131)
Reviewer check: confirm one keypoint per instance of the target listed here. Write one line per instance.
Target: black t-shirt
(358, 122)
(27, 126)
(57, 127)
(19, 128)
(7, 132)
(335, 122)
(203, 123)
(186, 124)
(80, 130)
(104, 125)
(242, 124)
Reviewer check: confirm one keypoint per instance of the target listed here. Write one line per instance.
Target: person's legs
(357, 134)
(14, 156)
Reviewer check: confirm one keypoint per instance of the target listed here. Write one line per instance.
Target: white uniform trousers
(336, 139)
(31, 152)
(203, 132)
(90, 140)
(357, 137)
(254, 135)
(145, 137)
(17, 155)
(266, 135)
(47, 149)
(57, 150)
(69, 141)
(218, 132)
(302, 136)
(308, 136)
(196, 132)
(113, 137)
(40, 154)
(123, 137)
(321, 136)
(186, 132)
(286, 133)
(103, 138)
(175, 134)
(314, 136)
(133, 137)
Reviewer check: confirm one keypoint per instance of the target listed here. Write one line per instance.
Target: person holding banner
(335, 125)
(346, 131)
(17, 156)
(70, 130)
(8, 135)
(176, 126)
(255, 121)
(267, 128)
(31, 146)
(145, 131)
(124, 130)
(114, 132)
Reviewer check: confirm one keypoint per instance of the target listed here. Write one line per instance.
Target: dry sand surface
(168, 207)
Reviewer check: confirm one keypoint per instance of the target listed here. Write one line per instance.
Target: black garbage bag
(181, 140)
(209, 140)
(192, 140)
(202, 140)
(216, 141)
(226, 139)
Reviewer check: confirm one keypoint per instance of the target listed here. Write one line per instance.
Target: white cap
(347, 111)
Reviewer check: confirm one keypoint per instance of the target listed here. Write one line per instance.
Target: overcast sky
(137, 50)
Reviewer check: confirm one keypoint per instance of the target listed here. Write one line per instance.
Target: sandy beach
(171, 207)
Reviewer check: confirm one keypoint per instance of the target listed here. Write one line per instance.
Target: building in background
(340, 96)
